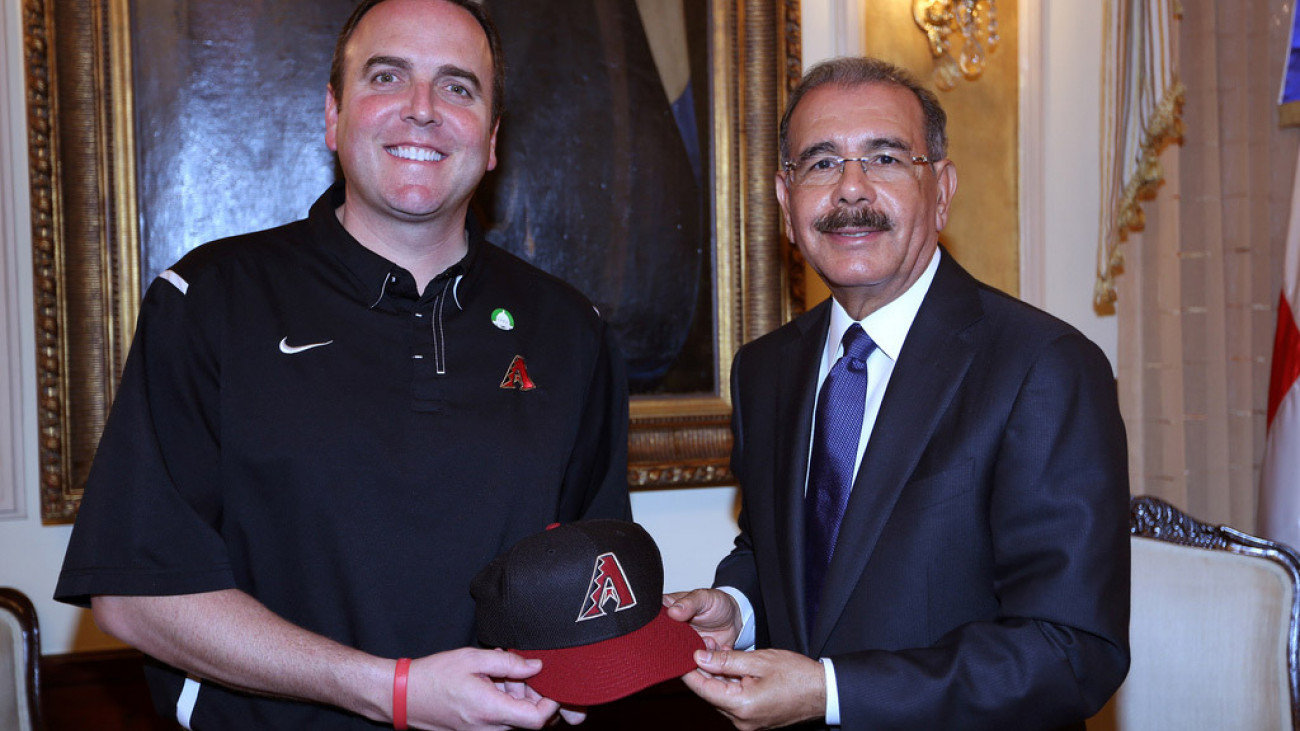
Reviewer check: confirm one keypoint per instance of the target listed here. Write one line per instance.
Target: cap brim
(606, 671)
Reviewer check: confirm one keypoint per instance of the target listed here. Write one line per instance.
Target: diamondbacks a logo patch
(517, 376)
(607, 584)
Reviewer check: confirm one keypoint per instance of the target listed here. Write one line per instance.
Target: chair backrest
(20, 655)
(1215, 628)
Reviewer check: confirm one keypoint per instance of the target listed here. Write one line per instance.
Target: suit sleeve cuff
(832, 693)
(747, 636)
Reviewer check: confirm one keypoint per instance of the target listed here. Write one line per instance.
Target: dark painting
(230, 117)
(603, 179)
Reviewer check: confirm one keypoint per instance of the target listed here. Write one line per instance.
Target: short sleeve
(150, 515)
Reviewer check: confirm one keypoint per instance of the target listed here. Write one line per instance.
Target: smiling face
(868, 239)
(413, 129)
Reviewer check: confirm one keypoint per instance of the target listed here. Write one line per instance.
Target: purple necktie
(840, 406)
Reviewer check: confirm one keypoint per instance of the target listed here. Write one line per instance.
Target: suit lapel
(934, 359)
(800, 363)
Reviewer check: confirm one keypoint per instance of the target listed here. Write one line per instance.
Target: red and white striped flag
(1279, 490)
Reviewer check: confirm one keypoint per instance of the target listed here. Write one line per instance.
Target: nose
(422, 105)
(854, 186)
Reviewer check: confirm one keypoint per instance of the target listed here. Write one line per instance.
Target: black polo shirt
(297, 421)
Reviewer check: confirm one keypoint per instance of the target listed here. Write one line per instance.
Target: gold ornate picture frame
(86, 241)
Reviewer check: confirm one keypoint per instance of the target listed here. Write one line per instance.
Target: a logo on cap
(607, 583)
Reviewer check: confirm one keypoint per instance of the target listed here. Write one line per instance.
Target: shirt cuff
(746, 640)
(832, 693)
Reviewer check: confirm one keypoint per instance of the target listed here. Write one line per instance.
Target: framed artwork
(636, 160)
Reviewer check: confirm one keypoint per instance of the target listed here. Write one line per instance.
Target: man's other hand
(761, 689)
(711, 613)
(476, 690)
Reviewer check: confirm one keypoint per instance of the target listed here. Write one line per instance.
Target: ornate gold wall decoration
(83, 237)
(974, 21)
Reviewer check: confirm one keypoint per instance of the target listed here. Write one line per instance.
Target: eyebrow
(460, 73)
(394, 61)
(876, 143)
(405, 64)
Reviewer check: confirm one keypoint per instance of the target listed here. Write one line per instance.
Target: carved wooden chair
(1215, 629)
(20, 656)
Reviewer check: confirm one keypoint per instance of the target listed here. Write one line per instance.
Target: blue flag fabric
(1289, 99)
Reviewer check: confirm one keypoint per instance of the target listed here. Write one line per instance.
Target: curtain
(1197, 292)
(1141, 113)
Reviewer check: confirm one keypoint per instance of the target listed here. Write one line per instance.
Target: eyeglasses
(880, 167)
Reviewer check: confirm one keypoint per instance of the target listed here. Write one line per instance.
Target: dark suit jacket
(981, 578)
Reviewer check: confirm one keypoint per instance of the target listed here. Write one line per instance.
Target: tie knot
(857, 345)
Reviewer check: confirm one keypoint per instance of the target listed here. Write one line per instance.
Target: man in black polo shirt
(326, 429)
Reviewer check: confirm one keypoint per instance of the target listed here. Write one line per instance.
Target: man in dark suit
(960, 559)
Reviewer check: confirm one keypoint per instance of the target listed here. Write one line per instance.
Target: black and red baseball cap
(585, 599)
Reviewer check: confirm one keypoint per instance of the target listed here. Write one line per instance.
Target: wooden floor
(105, 691)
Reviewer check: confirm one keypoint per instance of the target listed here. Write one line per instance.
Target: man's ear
(492, 146)
(783, 197)
(331, 119)
(945, 172)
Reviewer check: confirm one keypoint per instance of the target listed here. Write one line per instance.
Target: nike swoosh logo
(288, 349)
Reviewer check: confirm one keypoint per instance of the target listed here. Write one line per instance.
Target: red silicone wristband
(399, 693)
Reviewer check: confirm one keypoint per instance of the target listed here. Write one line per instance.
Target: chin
(856, 276)
(415, 207)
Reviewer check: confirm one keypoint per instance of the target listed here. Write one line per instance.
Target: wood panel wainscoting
(105, 691)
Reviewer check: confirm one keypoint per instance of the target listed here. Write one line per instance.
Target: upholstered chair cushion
(1209, 634)
(14, 713)
(19, 654)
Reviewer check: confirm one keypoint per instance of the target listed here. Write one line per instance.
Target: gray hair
(851, 71)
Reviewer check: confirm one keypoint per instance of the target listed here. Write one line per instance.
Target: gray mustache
(853, 218)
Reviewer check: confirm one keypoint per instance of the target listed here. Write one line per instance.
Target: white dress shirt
(888, 327)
